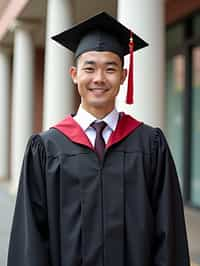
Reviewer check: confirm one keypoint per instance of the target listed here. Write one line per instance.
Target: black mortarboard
(103, 33)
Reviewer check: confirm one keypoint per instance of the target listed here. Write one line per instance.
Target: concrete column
(58, 89)
(146, 18)
(22, 98)
(4, 111)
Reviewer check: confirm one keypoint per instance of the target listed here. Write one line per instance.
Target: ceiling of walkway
(3, 4)
(35, 12)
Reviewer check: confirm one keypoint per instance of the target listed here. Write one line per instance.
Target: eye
(88, 69)
(110, 69)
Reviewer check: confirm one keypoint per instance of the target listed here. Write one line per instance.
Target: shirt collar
(85, 119)
(111, 119)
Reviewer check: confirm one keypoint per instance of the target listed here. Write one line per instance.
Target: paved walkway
(193, 230)
(6, 210)
(7, 202)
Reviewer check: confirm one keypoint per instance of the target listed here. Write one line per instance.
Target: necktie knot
(99, 141)
(99, 126)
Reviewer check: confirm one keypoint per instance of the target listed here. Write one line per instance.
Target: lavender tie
(99, 141)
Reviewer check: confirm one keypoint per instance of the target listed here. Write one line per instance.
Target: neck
(99, 113)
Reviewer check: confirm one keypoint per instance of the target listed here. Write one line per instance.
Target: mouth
(98, 89)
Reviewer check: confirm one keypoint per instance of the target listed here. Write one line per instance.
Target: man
(99, 188)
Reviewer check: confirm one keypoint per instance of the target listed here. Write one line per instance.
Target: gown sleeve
(171, 247)
(29, 235)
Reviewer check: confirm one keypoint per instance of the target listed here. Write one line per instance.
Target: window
(174, 112)
(195, 130)
(183, 103)
(175, 86)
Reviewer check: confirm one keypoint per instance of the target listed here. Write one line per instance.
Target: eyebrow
(91, 62)
(112, 63)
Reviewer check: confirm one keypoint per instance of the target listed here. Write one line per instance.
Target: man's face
(98, 76)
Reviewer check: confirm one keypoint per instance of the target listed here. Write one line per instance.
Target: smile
(98, 89)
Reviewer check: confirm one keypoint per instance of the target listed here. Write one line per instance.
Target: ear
(73, 74)
(124, 75)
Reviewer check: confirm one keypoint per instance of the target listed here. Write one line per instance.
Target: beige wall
(177, 9)
(39, 80)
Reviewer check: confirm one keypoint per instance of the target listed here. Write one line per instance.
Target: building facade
(36, 90)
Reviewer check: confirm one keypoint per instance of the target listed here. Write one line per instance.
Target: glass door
(195, 130)
(174, 109)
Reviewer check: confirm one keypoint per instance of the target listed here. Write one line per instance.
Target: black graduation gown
(73, 209)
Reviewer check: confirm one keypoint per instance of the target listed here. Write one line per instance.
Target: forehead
(96, 57)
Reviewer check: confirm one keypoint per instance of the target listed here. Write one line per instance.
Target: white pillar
(146, 18)
(58, 89)
(4, 111)
(22, 98)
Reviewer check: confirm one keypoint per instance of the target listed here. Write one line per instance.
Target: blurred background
(36, 90)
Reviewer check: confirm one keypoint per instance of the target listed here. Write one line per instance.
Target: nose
(99, 76)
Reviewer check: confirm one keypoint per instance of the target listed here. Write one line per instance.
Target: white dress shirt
(85, 119)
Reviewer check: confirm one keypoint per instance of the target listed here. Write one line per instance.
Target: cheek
(83, 79)
(82, 85)
(116, 82)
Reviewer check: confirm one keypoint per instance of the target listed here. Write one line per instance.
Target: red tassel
(130, 89)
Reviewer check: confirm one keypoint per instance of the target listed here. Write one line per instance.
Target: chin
(99, 104)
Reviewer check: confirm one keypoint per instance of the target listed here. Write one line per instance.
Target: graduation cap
(102, 32)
